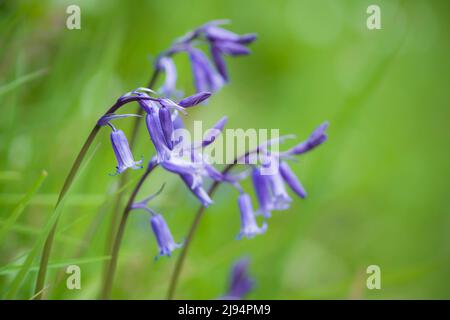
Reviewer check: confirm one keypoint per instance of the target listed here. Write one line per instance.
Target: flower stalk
(112, 265)
(46, 251)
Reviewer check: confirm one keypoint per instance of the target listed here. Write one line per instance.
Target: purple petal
(167, 126)
(156, 132)
(163, 235)
(122, 152)
(232, 48)
(194, 99)
(249, 227)
(240, 282)
(199, 192)
(217, 33)
(205, 77)
(219, 61)
(214, 132)
(291, 179)
(262, 189)
(315, 139)
(247, 38)
(168, 66)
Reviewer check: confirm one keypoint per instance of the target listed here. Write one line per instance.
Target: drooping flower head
(249, 227)
(270, 187)
(207, 76)
(122, 152)
(120, 144)
(161, 231)
(163, 236)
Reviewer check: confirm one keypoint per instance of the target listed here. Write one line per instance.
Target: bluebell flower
(194, 100)
(159, 119)
(206, 77)
(198, 190)
(315, 139)
(155, 130)
(261, 185)
(270, 187)
(249, 227)
(122, 152)
(221, 42)
(240, 282)
(177, 157)
(160, 228)
(280, 197)
(163, 236)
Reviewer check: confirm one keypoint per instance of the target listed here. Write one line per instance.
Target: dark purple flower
(240, 281)
(249, 227)
(163, 236)
(122, 152)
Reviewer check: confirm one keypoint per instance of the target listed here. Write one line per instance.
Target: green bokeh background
(377, 189)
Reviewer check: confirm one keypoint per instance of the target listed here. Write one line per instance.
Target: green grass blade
(22, 205)
(40, 241)
(9, 269)
(22, 80)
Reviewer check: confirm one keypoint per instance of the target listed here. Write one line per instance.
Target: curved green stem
(49, 240)
(66, 186)
(182, 257)
(107, 286)
(123, 180)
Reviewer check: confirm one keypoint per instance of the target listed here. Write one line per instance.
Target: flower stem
(49, 240)
(109, 278)
(124, 178)
(45, 255)
(182, 257)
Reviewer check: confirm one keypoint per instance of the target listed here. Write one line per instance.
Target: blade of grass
(22, 205)
(22, 80)
(41, 240)
(30, 230)
(54, 265)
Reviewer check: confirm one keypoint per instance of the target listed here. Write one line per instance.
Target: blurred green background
(377, 188)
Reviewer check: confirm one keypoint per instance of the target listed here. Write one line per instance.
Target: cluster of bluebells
(210, 73)
(186, 159)
(270, 185)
